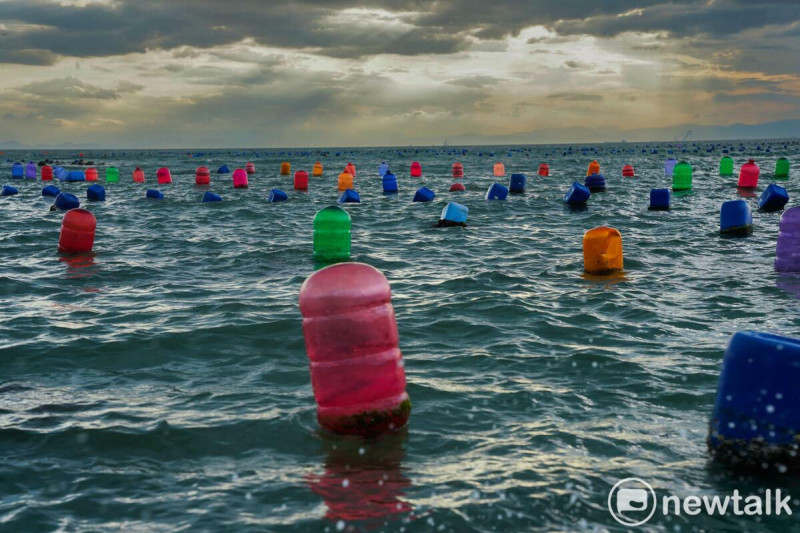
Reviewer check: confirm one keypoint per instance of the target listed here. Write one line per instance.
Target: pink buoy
(350, 169)
(202, 176)
(77, 231)
(240, 179)
(627, 171)
(163, 175)
(499, 169)
(250, 168)
(138, 175)
(458, 170)
(301, 180)
(416, 169)
(544, 170)
(91, 174)
(748, 175)
(351, 340)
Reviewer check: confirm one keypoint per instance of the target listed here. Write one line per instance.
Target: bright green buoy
(682, 177)
(331, 234)
(782, 168)
(726, 166)
(112, 174)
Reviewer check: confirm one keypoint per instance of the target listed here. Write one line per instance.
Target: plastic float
(351, 169)
(240, 179)
(602, 250)
(424, 194)
(286, 168)
(748, 175)
(277, 195)
(389, 181)
(250, 168)
(669, 166)
(30, 170)
(51, 190)
(516, 184)
(91, 174)
(453, 214)
(332, 234)
(47, 173)
(496, 192)
(577, 194)
(112, 174)
(66, 201)
(726, 166)
(774, 198)
(458, 170)
(75, 175)
(499, 170)
(735, 219)
(317, 170)
(457, 187)
(223, 170)
(756, 416)
(211, 197)
(138, 175)
(301, 180)
(628, 172)
(383, 168)
(77, 231)
(350, 332)
(594, 168)
(595, 182)
(682, 177)
(659, 200)
(349, 196)
(787, 252)
(60, 173)
(17, 171)
(202, 176)
(544, 170)
(154, 194)
(345, 181)
(163, 175)
(782, 168)
(8, 190)
(96, 193)
(416, 169)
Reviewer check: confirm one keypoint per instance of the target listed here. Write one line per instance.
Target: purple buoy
(787, 253)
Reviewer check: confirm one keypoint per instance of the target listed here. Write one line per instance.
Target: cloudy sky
(192, 73)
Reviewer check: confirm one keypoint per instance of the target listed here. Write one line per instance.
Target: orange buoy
(317, 170)
(345, 181)
(138, 175)
(602, 250)
(594, 168)
(499, 169)
(286, 168)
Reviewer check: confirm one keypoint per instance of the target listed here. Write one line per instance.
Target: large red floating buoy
(77, 231)
(202, 176)
(163, 175)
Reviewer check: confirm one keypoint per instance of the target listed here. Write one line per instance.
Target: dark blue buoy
(51, 190)
(735, 218)
(497, 192)
(756, 417)
(349, 196)
(96, 193)
(66, 201)
(774, 198)
(223, 170)
(424, 194)
(211, 197)
(8, 190)
(75, 175)
(277, 195)
(517, 183)
(577, 194)
(389, 183)
(154, 194)
(659, 200)
(595, 182)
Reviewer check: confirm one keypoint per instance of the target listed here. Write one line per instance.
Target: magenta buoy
(240, 179)
(748, 175)
(163, 175)
(416, 169)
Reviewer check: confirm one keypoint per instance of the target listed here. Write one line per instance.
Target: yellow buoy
(602, 250)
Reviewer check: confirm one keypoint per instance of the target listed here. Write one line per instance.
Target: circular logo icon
(632, 502)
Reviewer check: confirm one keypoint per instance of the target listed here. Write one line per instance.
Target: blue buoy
(60, 173)
(774, 198)
(96, 193)
(17, 171)
(75, 175)
(389, 183)
(517, 183)
(595, 182)
(659, 200)
(154, 194)
(383, 168)
(349, 196)
(424, 194)
(8, 190)
(496, 192)
(735, 218)
(66, 201)
(577, 194)
(454, 214)
(211, 197)
(223, 170)
(50, 190)
(756, 417)
(277, 195)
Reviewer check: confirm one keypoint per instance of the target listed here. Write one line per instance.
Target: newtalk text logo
(632, 502)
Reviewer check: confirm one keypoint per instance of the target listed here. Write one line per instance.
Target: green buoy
(726, 166)
(782, 168)
(332, 234)
(682, 177)
(112, 174)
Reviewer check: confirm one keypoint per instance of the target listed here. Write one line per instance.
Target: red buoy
(138, 175)
(458, 170)
(544, 170)
(627, 171)
(301, 180)
(202, 176)
(250, 168)
(91, 174)
(240, 179)
(47, 173)
(457, 187)
(77, 231)
(163, 175)
(350, 169)
(416, 169)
